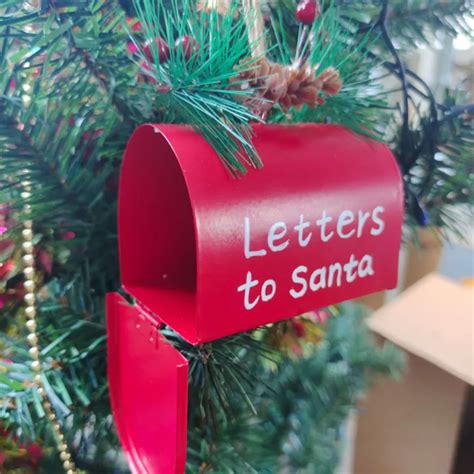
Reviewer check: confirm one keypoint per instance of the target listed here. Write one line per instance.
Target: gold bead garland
(32, 338)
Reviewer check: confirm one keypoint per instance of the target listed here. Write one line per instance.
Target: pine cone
(258, 78)
(289, 86)
(222, 7)
(329, 81)
(301, 90)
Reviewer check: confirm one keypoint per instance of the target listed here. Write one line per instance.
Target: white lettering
(333, 268)
(376, 219)
(300, 281)
(349, 269)
(250, 253)
(346, 218)
(363, 216)
(325, 219)
(365, 266)
(320, 274)
(302, 240)
(277, 231)
(268, 296)
(246, 287)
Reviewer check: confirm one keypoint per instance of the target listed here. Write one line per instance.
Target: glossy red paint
(212, 255)
(148, 382)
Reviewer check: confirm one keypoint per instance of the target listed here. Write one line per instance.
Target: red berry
(137, 26)
(46, 260)
(163, 50)
(307, 11)
(188, 45)
(35, 452)
(147, 74)
(132, 47)
(68, 235)
(134, 24)
(298, 328)
(6, 245)
(6, 268)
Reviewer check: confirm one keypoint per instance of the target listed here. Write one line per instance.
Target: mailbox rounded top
(212, 255)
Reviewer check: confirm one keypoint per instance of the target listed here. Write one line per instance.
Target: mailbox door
(148, 381)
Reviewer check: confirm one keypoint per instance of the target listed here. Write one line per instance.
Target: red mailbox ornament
(211, 255)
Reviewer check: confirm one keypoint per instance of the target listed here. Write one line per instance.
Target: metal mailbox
(211, 255)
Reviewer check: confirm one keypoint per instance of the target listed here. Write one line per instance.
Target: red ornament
(267, 247)
(132, 47)
(88, 141)
(6, 268)
(46, 260)
(188, 45)
(334, 236)
(147, 72)
(35, 452)
(18, 291)
(307, 11)
(298, 328)
(163, 50)
(5, 298)
(134, 24)
(68, 235)
(6, 245)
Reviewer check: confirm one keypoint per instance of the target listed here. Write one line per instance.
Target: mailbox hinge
(148, 323)
(151, 317)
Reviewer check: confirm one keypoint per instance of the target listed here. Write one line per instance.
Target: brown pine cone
(289, 86)
(257, 79)
(329, 81)
(301, 88)
(222, 7)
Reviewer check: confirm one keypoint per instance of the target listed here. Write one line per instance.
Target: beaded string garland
(34, 351)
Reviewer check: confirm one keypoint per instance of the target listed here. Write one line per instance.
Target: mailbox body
(212, 255)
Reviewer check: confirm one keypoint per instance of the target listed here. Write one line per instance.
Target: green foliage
(413, 21)
(73, 350)
(440, 174)
(361, 104)
(70, 96)
(431, 140)
(196, 85)
(300, 406)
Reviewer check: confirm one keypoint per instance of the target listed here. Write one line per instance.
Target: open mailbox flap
(212, 255)
(148, 380)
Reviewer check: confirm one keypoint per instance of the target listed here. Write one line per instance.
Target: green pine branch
(194, 87)
(361, 105)
(322, 388)
(412, 22)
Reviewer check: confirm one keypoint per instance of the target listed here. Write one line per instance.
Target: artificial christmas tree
(76, 79)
